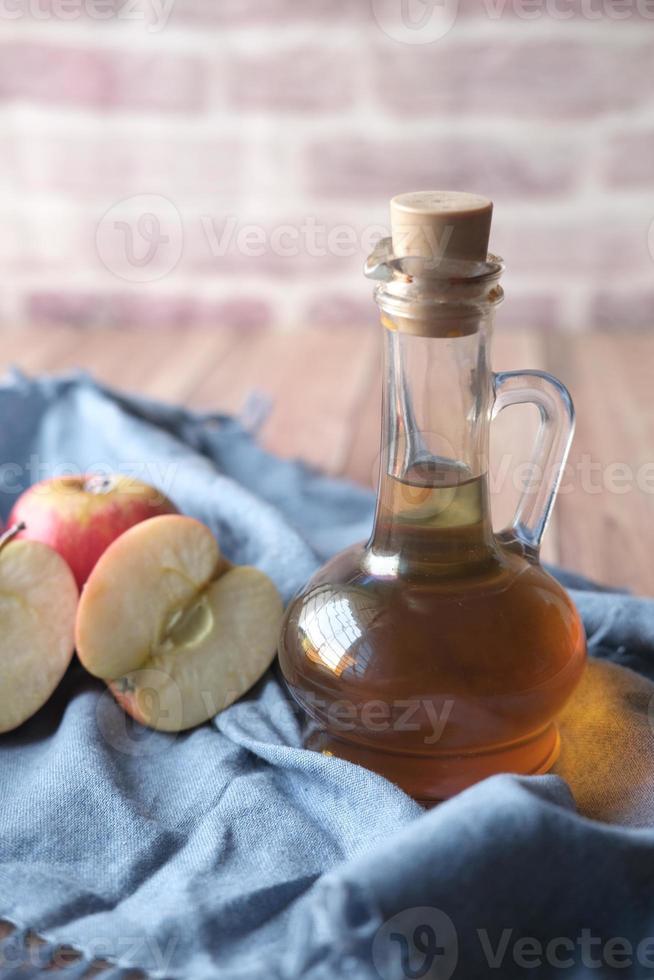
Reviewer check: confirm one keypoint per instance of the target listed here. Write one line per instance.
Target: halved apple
(38, 601)
(176, 631)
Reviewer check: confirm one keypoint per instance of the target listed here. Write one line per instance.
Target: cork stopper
(437, 225)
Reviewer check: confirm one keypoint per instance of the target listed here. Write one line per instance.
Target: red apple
(175, 630)
(38, 603)
(80, 516)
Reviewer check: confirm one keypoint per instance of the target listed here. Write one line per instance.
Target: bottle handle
(557, 423)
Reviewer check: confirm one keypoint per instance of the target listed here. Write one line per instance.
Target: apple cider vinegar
(465, 648)
(439, 652)
(434, 516)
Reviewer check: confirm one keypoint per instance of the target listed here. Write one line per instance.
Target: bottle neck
(432, 503)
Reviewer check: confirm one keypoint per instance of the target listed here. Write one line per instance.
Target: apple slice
(38, 602)
(176, 631)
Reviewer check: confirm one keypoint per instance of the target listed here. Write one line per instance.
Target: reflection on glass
(332, 624)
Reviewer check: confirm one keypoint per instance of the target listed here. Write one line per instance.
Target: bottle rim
(420, 289)
(384, 265)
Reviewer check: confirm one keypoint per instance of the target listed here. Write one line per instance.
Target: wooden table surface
(324, 387)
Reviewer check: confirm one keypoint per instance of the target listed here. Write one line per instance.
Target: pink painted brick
(630, 160)
(133, 309)
(122, 164)
(281, 13)
(35, 242)
(273, 13)
(358, 167)
(330, 309)
(101, 79)
(573, 79)
(242, 311)
(596, 245)
(304, 79)
(45, 307)
(622, 309)
(530, 309)
(171, 83)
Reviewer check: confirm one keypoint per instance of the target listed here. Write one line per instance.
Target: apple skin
(80, 516)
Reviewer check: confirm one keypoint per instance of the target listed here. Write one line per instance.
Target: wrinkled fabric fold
(230, 852)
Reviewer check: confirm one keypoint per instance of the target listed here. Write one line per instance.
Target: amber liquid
(439, 654)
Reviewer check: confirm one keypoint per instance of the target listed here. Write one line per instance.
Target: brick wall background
(230, 161)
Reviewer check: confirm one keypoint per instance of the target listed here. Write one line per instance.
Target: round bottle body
(434, 680)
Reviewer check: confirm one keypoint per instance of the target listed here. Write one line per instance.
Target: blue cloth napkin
(230, 852)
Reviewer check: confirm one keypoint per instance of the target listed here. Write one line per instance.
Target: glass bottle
(440, 652)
